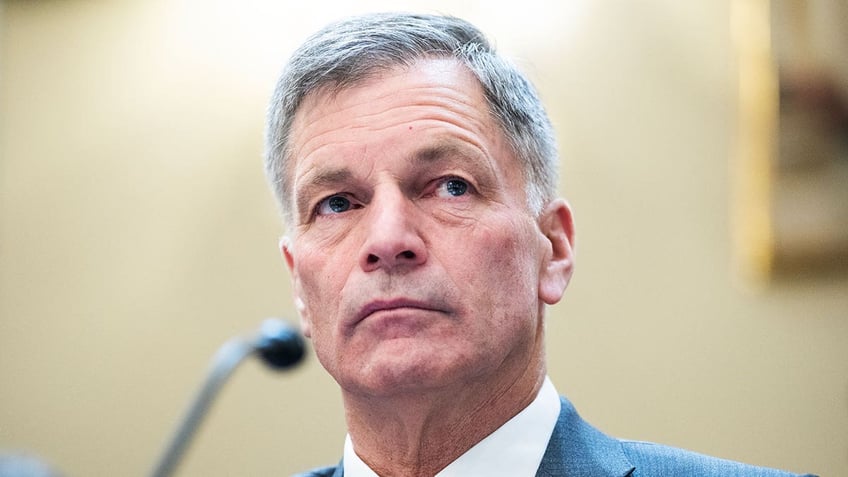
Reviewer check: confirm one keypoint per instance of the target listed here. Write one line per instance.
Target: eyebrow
(448, 152)
(440, 152)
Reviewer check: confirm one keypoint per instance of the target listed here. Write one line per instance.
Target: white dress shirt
(513, 450)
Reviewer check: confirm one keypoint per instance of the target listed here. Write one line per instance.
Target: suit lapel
(577, 449)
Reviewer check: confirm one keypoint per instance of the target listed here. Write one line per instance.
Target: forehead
(432, 88)
(445, 72)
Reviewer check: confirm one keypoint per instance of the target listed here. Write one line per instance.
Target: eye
(453, 187)
(335, 204)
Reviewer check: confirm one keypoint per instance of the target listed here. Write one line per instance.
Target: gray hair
(349, 52)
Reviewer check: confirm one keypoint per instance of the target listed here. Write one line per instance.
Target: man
(416, 172)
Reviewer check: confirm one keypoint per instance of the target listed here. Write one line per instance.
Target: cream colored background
(137, 234)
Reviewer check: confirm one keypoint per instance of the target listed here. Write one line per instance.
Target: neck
(418, 434)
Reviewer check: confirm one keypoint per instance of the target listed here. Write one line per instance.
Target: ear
(288, 254)
(557, 226)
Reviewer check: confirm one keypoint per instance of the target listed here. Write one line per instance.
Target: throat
(421, 435)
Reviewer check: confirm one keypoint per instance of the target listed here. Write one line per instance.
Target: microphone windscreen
(279, 344)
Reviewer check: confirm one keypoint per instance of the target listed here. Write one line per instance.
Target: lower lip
(398, 322)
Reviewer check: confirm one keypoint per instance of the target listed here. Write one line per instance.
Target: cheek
(320, 303)
(512, 248)
(320, 283)
(500, 268)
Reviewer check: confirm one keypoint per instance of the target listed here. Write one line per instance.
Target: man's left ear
(557, 225)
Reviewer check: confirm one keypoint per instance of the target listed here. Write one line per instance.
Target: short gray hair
(349, 52)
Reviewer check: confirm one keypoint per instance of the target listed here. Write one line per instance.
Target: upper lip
(391, 304)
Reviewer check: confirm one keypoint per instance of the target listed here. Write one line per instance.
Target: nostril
(372, 258)
(408, 254)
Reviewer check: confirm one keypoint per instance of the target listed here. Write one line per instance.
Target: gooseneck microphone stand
(279, 346)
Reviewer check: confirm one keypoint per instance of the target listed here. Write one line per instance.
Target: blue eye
(456, 187)
(335, 204)
(338, 204)
(452, 188)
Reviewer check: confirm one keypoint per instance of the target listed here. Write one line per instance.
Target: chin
(405, 374)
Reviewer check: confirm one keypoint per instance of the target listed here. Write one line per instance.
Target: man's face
(415, 260)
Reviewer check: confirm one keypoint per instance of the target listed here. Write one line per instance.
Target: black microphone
(278, 344)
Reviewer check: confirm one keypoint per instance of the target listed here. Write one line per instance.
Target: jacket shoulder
(658, 460)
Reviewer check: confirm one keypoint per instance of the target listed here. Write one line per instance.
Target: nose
(393, 241)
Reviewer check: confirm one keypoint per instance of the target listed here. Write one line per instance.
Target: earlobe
(557, 225)
(305, 324)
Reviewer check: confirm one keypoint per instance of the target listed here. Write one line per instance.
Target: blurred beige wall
(137, 234)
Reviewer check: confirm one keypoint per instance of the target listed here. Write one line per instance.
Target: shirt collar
(513, 450)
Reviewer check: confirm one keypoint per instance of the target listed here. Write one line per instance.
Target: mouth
(388, 305)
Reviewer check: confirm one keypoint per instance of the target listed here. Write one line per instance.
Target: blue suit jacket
(577, 449)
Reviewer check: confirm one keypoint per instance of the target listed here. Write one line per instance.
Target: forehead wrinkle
(321, 105)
